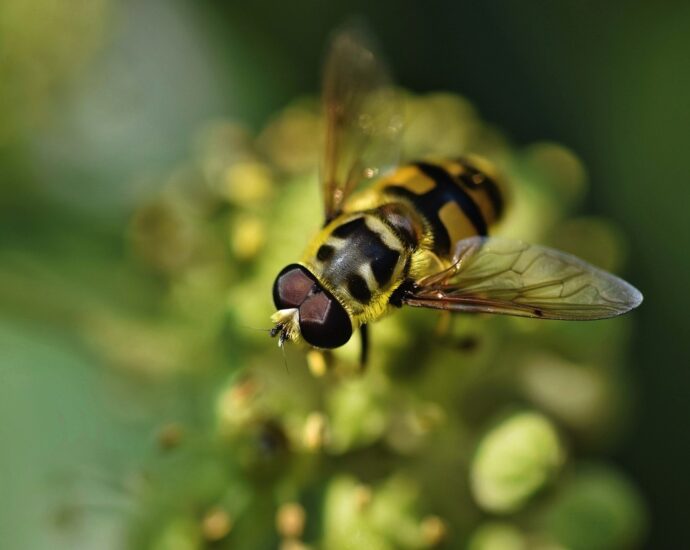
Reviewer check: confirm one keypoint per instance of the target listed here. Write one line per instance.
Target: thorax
(362, 257)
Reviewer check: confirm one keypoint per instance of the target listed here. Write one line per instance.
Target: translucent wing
(362, 115)
(514, 278)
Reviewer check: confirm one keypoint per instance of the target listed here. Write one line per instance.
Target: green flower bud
(382, 518)
(514, 460)
(497, 536)
(598, 508)
(358, 413)
(180, 534)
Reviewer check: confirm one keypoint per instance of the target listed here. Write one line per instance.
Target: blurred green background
(102, 103)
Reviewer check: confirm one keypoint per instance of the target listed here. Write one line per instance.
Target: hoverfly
(418, 235)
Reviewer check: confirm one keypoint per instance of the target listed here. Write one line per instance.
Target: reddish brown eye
(292, 286)
(324, 323)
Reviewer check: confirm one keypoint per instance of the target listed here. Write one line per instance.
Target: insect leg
(364, 339)
(444, 323)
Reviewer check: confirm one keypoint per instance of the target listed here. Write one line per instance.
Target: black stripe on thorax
(364, 246)
(430, 203)
(325, 252)
(348, 228)
(358, 289)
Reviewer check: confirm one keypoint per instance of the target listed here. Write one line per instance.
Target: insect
(416, 236)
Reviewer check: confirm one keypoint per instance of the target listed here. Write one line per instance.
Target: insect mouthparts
(286, 325)
(281, 332)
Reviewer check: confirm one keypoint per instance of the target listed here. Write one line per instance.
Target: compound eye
(323, 322)
(292, 286)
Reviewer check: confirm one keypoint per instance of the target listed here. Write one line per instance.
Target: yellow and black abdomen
(456, 198)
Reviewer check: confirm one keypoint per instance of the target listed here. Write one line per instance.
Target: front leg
(364, 350)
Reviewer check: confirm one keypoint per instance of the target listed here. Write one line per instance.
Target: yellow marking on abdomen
(477, 189)
(456, 223)
(409, 177)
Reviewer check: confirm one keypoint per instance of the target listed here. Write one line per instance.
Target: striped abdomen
(456, 199)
